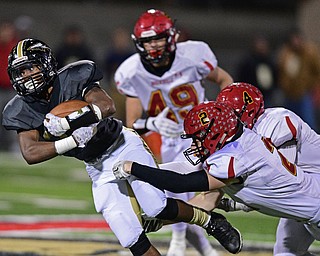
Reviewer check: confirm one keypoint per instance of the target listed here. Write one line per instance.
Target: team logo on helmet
(39, 47)
(246, 100)
(204, 119)
(210, 125)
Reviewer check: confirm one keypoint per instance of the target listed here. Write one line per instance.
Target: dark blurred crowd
(287, 74)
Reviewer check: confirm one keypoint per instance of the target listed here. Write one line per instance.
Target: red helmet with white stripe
(153, 25)
(210, 125)
(245, 99)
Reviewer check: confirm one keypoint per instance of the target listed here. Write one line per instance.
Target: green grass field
(62, 186)
(58, 186)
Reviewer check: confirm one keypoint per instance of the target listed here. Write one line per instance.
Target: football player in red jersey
(164, 79)
(293, 137)
(249, 168)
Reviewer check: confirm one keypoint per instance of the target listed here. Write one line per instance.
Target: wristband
(83, 117)
(65, 145)
(65, 124)
(97, 111)
(140, 126)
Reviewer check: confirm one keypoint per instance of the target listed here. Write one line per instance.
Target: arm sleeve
(172, 181)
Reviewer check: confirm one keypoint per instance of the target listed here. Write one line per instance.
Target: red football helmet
(245, 99)
(153, 25)
(210, 125)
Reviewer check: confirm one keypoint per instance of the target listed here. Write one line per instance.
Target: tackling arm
(207, 200)
(213, 199)
(168, 180)
(172, 181)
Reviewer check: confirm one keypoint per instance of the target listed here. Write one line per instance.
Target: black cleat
(228, 236)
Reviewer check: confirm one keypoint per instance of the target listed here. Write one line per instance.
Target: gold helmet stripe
(19, 49)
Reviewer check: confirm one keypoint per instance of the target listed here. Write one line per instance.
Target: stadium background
(226, 25)
(51, 202)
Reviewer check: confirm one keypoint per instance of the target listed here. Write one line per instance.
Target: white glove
(119, 172)
(229, 205)
(83, 134)
(163, 125)
(55, 125)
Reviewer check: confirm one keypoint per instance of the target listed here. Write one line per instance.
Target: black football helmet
(25, 55)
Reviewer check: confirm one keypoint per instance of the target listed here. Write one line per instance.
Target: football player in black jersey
(93, 136)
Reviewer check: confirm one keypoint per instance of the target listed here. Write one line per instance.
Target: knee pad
(154, 203)
(117, 220)
(141, 246)
(171, 210)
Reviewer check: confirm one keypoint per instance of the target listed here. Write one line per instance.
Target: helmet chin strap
(49, 92)
(237, 134)
(177, 36)
(244, 108)
(232, 138)
(220, 143)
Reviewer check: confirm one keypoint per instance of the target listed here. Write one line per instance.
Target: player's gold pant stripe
(135, 205)
(144, 144)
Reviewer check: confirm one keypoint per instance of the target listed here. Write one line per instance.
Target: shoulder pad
(77, 78)
(20, 115)
(82, 69)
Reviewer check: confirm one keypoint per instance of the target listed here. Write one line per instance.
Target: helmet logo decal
(148, 33)
(39, 47)
(210, 125)
(247, 98)
(204, 119)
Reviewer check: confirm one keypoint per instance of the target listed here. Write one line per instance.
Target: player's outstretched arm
(168, 180)
(208, 200)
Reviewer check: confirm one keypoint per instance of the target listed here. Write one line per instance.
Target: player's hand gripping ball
(56, 123)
